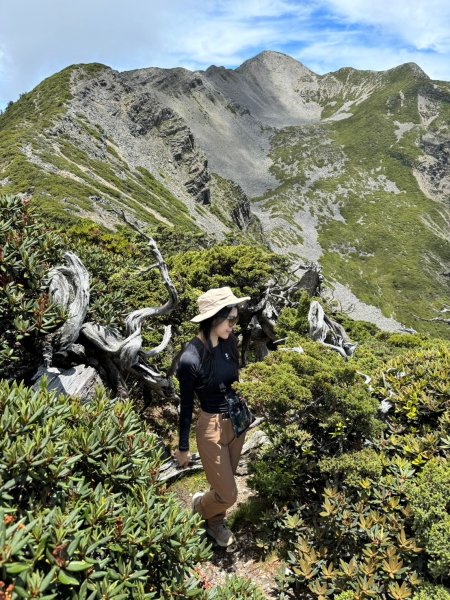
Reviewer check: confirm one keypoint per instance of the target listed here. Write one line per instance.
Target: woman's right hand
(182, 457)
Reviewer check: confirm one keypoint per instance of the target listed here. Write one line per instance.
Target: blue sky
(40, 37)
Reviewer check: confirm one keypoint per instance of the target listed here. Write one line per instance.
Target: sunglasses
(232, 320)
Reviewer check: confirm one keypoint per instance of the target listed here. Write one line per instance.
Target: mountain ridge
(320, 162)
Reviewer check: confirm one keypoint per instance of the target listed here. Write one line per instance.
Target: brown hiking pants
(219, 451)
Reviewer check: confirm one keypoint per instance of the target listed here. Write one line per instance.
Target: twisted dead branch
(115, 355)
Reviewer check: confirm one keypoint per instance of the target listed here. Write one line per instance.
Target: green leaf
(20, 591)
(67, 579)
(47, 579)
(17, 567)
(78, 565)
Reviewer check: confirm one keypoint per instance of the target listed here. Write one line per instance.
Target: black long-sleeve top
(201, 372)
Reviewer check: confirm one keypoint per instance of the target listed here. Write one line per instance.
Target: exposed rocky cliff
(350, 169)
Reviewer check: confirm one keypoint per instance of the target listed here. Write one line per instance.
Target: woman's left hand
(182, 457)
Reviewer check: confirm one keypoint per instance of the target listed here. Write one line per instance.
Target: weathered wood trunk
(328, 332)
(112, 354)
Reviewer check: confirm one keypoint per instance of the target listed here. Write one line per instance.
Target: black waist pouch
(240, 415)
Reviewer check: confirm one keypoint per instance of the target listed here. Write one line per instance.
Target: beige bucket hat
(213, 300)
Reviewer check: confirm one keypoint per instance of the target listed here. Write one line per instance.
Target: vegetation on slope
(27, 252)
(346, 501)
(37, 155)
(82, 514)
(356, 178)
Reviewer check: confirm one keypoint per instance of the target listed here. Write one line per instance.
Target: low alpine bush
(83, 515)
(27, 252)
(428, 495)
(353, 513)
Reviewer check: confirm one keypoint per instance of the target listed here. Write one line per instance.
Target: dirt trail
(244, 561)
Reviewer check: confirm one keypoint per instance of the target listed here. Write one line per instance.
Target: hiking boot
(220, 532)
(195, 500)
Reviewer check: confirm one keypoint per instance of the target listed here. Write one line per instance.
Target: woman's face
(225, 327)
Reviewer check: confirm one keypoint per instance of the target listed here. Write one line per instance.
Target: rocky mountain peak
(274, 88)
(275, 62)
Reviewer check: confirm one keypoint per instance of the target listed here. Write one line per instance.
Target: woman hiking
(208, 366)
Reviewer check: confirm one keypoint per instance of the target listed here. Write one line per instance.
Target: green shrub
(315, 406)
(121, 242)
(339, 477)
(114, 263)
(417, 383)
(428, 496)
(428, 591)
(354, 539)
(406, 340)
(295, 319)
(27, 251)
(351, 468)
(346, 596)
(83, 515)
(172, 241)
(236, 588)
(244, 268)
(356, 330)
(291, 460)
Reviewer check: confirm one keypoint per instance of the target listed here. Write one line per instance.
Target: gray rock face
(233, 113)
(235, 141)
(272, 87)
(242, 213)
(435, 165)
(125, 112)
(79, 381)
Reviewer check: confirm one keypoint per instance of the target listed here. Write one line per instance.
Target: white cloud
(423, 24)
(238, 10)
(43, 37)
(224, 31)
(40, 38)
(382, 35)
